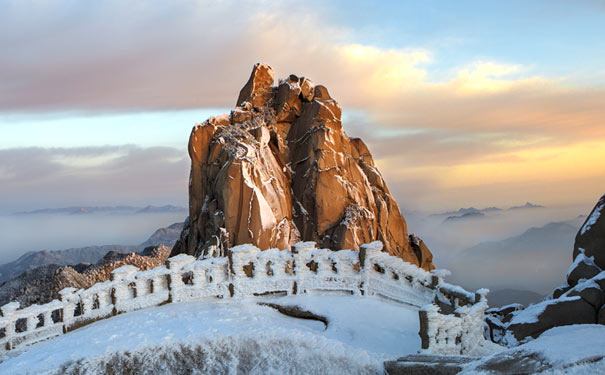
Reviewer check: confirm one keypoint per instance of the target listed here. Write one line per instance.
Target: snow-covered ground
(233, 336)
(241, 337)
(574, 349)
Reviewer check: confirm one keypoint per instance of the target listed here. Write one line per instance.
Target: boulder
(540, 317)
(560, 290)
(282, 170)
(590, 292)
(505, 310)
(583, 267)
(591, 236)
(601, 315)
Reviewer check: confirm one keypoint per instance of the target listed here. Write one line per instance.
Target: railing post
(299, 250)
(427, 332)
(175, 282)
(48, 318)
(366, 253)
(8, 311)
(121, 278)
(69, 307)
(481, 295)
(243, 265)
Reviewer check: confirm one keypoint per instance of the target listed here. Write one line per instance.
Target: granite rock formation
(591, 237)
(279, 169)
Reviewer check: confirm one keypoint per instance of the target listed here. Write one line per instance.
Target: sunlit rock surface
(279, 169)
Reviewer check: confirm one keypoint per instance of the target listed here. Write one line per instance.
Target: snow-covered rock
(536, 319)
(583, 267)
(574, 349)
(591, 236)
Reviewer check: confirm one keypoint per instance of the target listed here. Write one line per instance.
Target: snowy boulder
(601, 315)
(561, 350)
(542, 316)
(559, 291)
(583, 267)
(505, 310)
(590, 292)
(591, 236)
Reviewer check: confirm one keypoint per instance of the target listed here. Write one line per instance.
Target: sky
(466, 103)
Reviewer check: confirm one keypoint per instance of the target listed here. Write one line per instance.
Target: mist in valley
(34, 232)
(525, 249)
(497, 250)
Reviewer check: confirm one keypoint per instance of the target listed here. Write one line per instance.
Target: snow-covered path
(362, 331)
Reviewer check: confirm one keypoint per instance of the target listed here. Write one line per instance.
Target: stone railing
(245, 272)
(453, 323)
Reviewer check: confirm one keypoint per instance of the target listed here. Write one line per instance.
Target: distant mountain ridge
(468, 215)
(90, 254)
(503, 297)
(78, 210)
(526, 253)
(472, 212)
(526, 205)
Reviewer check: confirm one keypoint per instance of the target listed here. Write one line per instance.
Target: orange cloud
(488, 125)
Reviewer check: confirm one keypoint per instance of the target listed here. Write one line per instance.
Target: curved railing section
(453, 323)
(245, 272)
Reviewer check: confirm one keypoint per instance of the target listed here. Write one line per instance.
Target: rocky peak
(279, 169)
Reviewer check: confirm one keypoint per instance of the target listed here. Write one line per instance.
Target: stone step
(423, 364)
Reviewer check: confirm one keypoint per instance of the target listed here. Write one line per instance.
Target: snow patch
(592, 219)
(532, 312)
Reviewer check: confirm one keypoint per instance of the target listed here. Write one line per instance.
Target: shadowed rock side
(279, 169)
(591, 236)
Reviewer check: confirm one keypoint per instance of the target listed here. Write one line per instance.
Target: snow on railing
(453, 323)
(245, 272)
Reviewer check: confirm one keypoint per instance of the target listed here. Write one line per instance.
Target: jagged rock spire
(279, 169)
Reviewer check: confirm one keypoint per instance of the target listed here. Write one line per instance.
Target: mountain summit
(279, 169)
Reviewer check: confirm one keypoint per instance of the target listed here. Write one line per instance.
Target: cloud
(449, 131)
(35, 177)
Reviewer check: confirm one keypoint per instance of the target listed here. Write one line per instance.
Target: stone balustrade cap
(124, 271)
(430, 308)
(154, 272)
(373, 247)
(10, 307)
(245, 249)
(67, 291)
(303, 246)
(441, 272)
(178, 261)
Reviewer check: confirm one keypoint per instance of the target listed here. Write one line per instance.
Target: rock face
(279, 169)
(581, 300)
(591, 236)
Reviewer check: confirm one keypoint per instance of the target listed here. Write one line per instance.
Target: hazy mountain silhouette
(89, 254)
